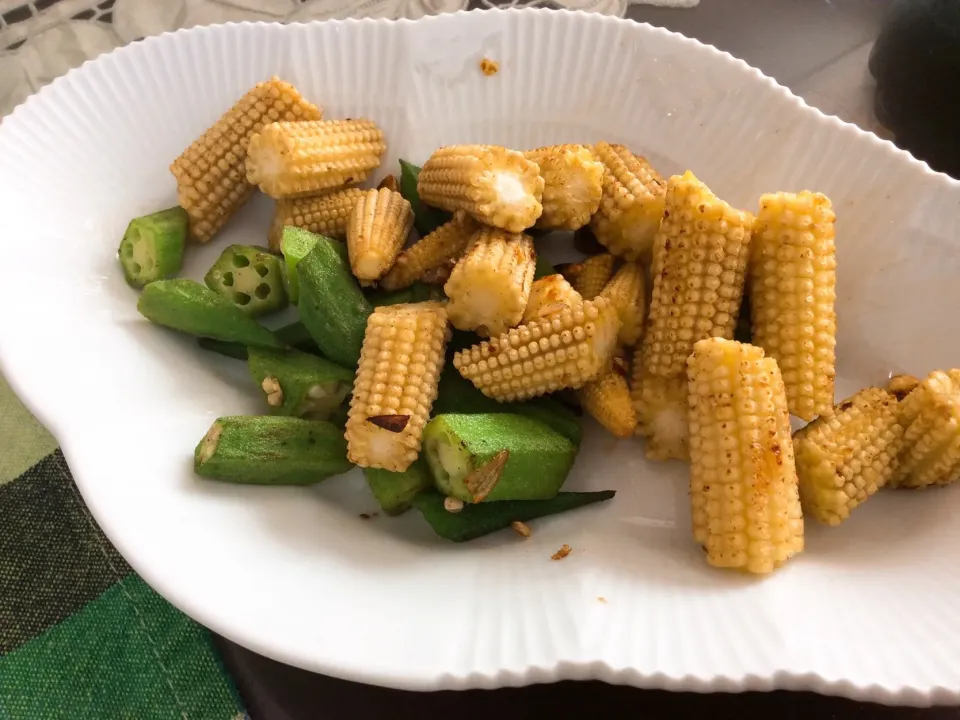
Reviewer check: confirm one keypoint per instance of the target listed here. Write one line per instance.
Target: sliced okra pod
(249, 277)
(152, 246)
(299, 384)
(295, 243)
(395, 491)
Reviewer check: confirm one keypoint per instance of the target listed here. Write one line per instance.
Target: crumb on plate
(489, 67)
(521, 528)
(561, 553)
(601, 599)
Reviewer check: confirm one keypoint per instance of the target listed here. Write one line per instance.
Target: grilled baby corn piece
(211, 182)
(549, 295)
(490, 285)
(632, 202)
(321, 214)
(564, 350)
(590, 276)
(793, 279)
(432, 258)
(396, 384)
(699, 262)
(662, 414)
(294, 159)
(572, 185)
(930, 417)
(377, 230)
(496, 186)
(743, 482)
(607, 399)
(627, 291)
(844, 458)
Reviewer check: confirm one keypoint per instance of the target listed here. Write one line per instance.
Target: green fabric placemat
(81, 635)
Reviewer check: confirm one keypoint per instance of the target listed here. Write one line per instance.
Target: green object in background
(418, 292)
(475, 521)
(152, 246)
(395, 491)
(306, 385)
(425, 218)
(543, 268)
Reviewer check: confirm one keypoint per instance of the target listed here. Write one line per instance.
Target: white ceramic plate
(869, 610)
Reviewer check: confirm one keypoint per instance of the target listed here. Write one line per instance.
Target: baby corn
(627, 291)
(377, 230)
(211, 184)
(590, 276)
(294, 159)
(432, 258)
(743, 481)
(490, 285)
(930, 417)
(564, 350)
(845, 458)
(793, 271)
(607, 399)
(661, 405)
(572, 185)
(699, 262)
(496, 186)
(632, 202)
(396, 384)
(550, 295)
(322, 214)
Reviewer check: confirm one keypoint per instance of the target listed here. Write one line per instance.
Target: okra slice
(271, 450)
(416, 293)
(331, 304)
(299, 384)
(251, 278)
(474, 521)
(152, 246)
(496, 456)
(297, 336)
(395, 491)
(426, 219)
(190, 307)
(295, 243)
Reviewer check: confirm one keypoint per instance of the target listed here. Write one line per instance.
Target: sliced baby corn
(489, 287)
(627, 291)
(294, 159)
(930, 417)
(564, 350)
(377, 230)
(591, 275)
(743, 481)
(431, 259)
(322, 214)
(662, 414)
(632, 202)
(607, 399)
(549, 295)
(793, 280)
(211, 182)
(396, 384)
(572, 185)
(496, 186)
(844, 458)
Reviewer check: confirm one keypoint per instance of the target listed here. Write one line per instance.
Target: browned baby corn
(490, 285)
(632, 202)
(590, 276)
(322, 214)
(549, 295)
(793, 279)
(498, 187)
(432, 258)
(377, 230)
(743, 481)
(573, 183)
(607, 399)
(845, 458)
(211, 179)
(294, 159)
(564, 350)
(627, 291)
(930, 417)
(661, 405)
(396, 384)
(902, 385)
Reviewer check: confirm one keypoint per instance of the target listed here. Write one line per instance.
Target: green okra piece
(271, 450)
(456, 394)
(395, 491)
(297, 336)
(332, 306)
(474, 521)
(152, 246)
(496, 456)
(418, 292)
(299, 384)
(251, 278)
(190, 307)
(237, 351)
(425, 218)
(543, 268)
(295, 244)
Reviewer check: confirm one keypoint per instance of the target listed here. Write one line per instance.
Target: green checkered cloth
(81, 635)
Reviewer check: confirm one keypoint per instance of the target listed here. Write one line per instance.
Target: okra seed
(261, 269)
(240, 298)
(240, 261)
(453, 505)
(262, 291)
(228, 279)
